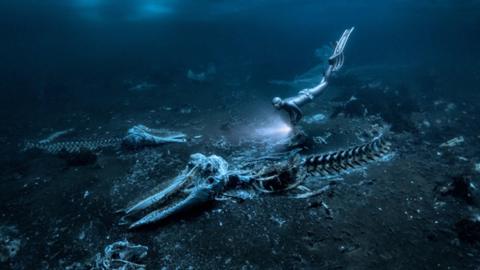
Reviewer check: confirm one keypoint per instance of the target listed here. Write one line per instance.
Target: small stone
(477, 167)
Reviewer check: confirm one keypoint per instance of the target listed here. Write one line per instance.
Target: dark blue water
(210, 68)
(49, 48)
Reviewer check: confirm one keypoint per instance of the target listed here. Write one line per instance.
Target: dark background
(59, 56)
(70, 63)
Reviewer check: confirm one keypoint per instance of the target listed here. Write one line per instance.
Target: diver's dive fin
(337, 59)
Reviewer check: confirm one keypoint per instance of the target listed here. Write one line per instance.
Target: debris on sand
(222, 143)
(315, 119)
(72, 146)
(81, 152)
(56, 135)
(121, 255)
(453, 142)
(143, 86)
(322, 139)
(140, 136)
(9, 243)
(186, 110)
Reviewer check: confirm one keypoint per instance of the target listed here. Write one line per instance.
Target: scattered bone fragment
(10, 243)
(140, 135)
(55, 136)
(453, 142)
(121, 255)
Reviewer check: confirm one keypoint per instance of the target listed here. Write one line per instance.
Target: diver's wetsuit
(293, 104)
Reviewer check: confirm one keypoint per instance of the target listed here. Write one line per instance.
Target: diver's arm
(295, 113)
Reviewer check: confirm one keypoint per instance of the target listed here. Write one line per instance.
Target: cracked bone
(141, 135)
(72, 146)
(163, 195)
(122, 255)
(207, 174)
(213, 179)
(55, 136)
(196, 198)
(453, 142)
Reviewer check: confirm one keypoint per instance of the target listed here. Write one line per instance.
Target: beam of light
(277, 128)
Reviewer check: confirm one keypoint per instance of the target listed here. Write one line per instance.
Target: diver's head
(277, 102)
